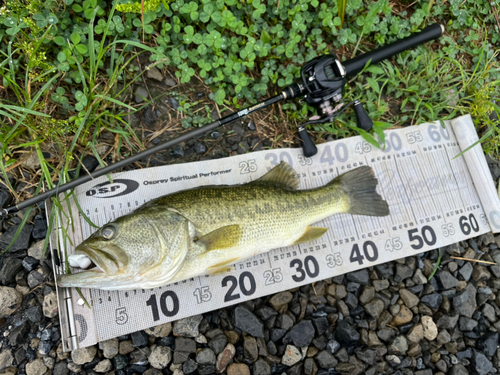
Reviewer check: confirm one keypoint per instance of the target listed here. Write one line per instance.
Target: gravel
(387, 319)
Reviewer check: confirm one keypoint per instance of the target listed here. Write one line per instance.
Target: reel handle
(308, 145)
(364, 121)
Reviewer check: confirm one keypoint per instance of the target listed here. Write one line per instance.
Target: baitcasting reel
(323, 80)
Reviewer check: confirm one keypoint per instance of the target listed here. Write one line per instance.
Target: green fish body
(205, 230)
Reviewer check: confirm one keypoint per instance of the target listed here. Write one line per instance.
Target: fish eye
(108, 232)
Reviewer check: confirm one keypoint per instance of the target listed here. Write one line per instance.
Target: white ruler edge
(466, 134)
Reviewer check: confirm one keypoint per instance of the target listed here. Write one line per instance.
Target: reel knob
(364, 122)
(308, 145)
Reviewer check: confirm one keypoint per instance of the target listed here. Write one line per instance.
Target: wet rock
(10, 300)
(301, 334)
(18, 334)
(30, 263)
(21, 242)
(248, 322)
(177, 152)
(346, 334)
(139, 339)
(10, 268)
(149, 116)
(188, 327)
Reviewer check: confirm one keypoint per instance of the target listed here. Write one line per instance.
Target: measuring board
(432, 197)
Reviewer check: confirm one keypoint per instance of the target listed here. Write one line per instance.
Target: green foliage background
(245, 50)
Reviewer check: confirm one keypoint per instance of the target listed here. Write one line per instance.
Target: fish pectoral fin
(222, 238)
(311, 233)
(222, 267)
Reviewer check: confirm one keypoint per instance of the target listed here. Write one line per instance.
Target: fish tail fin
(360, 186)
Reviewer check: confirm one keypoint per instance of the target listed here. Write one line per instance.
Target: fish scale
(204, 230)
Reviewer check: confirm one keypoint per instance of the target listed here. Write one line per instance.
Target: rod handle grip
(308, 145)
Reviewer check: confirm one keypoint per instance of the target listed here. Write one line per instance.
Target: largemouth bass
(205, 230)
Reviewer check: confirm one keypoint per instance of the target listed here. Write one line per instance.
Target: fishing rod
(323, 80)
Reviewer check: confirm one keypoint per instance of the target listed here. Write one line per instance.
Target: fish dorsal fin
(282, 174)
(222, 238)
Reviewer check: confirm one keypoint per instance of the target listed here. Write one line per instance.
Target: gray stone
(6, 359)
(399, 346)
(375, 308)
(481, 364)
(61, 368)
(301, 334)
(205, 357)
(361, 277)
(278, 301)
(447, 321)
(248, 322)
(154, 73)
(160, 357)
(403, 272)
(103, 366)
(410, 299)
(433, 300)
(10, 300)
(109, 347)
(325, 360)
(35, 278)
(261, 367)
(467, 324)
(447, 280)
(188, 327)
(183, 344)
(36, 367)
(458, 369)
(469, 307)
(218, 343)
(83, 355)
(141, 94)
(251, 351)
(170, 82)
(466, 271)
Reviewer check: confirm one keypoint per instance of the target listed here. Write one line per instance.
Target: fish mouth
(104, 261)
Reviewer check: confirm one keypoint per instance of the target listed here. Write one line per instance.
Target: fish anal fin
(220, 271)
(222, 238)
(311, 233)
(221, 267)
(282, 174)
